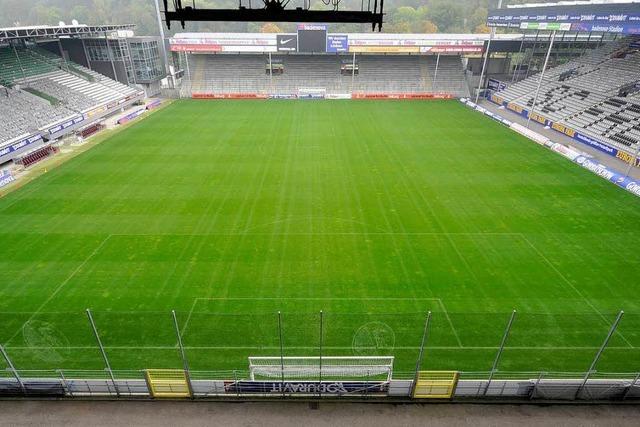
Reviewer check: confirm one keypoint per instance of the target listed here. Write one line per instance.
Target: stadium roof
(49, 31)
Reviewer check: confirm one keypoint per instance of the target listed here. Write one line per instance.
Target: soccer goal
(312, 93)
(329, 368)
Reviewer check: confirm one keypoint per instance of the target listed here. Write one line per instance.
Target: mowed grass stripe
(351, 205)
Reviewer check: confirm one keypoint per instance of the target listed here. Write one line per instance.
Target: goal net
(312, 92)
(314, 368)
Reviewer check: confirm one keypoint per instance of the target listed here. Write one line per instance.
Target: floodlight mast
(276, 11)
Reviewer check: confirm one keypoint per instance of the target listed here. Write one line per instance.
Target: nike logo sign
(285, 41)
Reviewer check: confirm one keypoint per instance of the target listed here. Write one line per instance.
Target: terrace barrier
(436, 356)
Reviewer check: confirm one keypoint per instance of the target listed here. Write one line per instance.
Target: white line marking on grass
(62, 285)
(256, 347)
(563, 277)
(345, 233)
(438, 300)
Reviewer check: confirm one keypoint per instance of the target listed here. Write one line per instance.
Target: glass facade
(140, 56)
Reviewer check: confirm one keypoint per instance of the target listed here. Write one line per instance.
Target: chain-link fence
(515, 355)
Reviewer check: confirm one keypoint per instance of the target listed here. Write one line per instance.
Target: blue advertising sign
(20, 144)
(63, 126)
(337, 43)
(306, 387)
(496, 85)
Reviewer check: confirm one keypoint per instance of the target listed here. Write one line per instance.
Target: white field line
(563, 277)
(62, 285)
(256, 347)
(195, 302)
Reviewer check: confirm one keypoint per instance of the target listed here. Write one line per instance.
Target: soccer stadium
(322, 214)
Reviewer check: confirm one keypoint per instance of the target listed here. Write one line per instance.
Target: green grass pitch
(373, 212)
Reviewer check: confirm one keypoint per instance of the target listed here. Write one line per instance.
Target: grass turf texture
(373, 212)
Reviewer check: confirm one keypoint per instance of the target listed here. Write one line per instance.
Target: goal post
(325, 367)
(312, 93)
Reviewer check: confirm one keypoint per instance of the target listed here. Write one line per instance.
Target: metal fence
(196, 354)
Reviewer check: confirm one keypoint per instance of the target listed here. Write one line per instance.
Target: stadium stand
(222, 73)
(583, 94)
(40, 89)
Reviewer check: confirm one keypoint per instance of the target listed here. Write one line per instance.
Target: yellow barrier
(435, 384)
(168, 383)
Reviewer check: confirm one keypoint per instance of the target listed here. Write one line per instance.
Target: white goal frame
(316, 367)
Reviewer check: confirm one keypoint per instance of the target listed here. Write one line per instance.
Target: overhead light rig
(371, 12)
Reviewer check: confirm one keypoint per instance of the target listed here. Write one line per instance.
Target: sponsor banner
(630, 184)
(198, 95)
(20, 144)
(312, 27)
(606, 28)
(402, 96)
(287, 42)
(131, 116)
(565, 26)
(6, 178)
(63, 126)
(565, 151)
(306, 387)
(283, 96)
(384, 49)
(339, 96)
(337, 43)
(154, 104)
(453, 49)
(96, 111)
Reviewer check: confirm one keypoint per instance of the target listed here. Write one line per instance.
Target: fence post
(320, 360)
(631, 386)
(185, 363)
(496, 361)
(13, 369)
(535, 386)
(421, 352)
(612, 330)
(65, 384)
(235, 378)
(104, 355)
(281, 353)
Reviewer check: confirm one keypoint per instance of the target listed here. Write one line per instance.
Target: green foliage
(402, 15)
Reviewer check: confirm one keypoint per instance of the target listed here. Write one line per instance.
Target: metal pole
(631, 386)
(185, 363)
(15, 51)
(544, 68)
(86, 54)
(104, 354)
(435, 74)
(270, 73)
(533, 54)
(633, 161)
(425, 332)
(535, 386)
(320, 360)
(235, 378)
(161, 29)
(186, 61)
(494, 368)
(353, 72)
(486, 57)
(113, 67)
(281, 351)
(65, 384)
(517, 68)
(13, 369)
(612, 330)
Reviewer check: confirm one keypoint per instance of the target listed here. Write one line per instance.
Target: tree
(429, 27)
(270, 27)
(482, 29)
(447, 16)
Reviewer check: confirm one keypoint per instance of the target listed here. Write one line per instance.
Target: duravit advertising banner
(65, 125)
(20, 144)
(620, 18)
